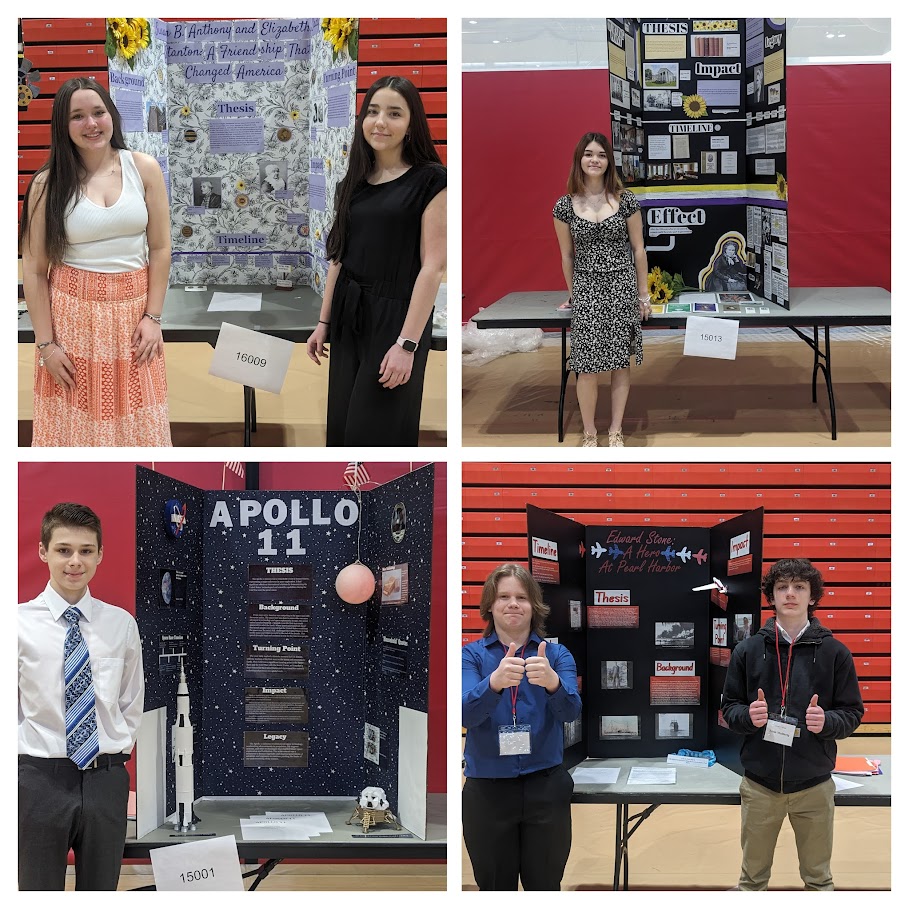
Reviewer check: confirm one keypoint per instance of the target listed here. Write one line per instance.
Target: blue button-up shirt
(484, 710)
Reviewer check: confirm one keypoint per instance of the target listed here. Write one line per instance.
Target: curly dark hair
(794, 570)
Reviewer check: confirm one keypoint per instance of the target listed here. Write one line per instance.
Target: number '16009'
(251, 359)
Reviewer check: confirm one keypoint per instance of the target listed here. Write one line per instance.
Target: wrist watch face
(409, 346)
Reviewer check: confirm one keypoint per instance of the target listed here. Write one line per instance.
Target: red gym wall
(520, 129)
(110, 489)
(837, 515)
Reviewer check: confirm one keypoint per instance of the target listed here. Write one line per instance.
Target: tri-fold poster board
(699, 133)
(651, 651)
(293, 692)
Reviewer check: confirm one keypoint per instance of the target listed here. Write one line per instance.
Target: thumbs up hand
(540, 672)
(757, 710)
(814, 716)
(510, 670)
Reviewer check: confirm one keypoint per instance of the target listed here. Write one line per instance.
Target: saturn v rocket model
(182, 746)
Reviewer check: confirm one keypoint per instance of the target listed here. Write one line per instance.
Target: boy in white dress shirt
(81, 693)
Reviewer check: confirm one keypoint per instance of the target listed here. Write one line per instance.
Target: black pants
(519, 827)
(364, 326)
(63, 808)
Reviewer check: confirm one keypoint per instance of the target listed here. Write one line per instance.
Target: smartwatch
(407, 344)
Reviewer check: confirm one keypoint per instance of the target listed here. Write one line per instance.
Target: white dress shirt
(115, 651)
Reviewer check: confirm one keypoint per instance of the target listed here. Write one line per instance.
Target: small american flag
(355, 475)
(237, 467)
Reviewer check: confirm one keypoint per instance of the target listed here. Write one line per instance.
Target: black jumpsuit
(371, 297)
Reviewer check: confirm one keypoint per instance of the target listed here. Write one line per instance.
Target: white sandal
(589, 440)
(616, 439)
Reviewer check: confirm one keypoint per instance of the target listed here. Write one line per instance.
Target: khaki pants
(810, 813)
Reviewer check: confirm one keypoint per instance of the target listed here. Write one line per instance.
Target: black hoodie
(820, 665)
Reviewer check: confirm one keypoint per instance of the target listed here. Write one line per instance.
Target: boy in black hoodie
(791, 690)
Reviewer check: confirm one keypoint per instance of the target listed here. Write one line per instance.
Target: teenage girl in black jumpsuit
(387, 254)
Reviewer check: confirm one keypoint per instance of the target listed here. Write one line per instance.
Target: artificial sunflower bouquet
(341, 32)
(662, 286)
(125, 38)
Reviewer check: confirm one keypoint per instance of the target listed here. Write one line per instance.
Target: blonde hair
(539, 610)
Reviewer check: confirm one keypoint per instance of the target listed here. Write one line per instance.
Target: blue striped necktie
(79, 696)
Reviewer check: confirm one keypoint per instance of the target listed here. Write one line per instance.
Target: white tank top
(110, 240)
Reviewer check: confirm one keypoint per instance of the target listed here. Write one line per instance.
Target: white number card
(251, 358)
(711, 337)
(200, 864)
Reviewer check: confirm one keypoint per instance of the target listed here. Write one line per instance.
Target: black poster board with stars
(637, 577)
(345, 686)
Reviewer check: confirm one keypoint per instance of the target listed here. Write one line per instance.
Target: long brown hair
(539, 610)
(611, 178)
(418, 149)
(64, 168)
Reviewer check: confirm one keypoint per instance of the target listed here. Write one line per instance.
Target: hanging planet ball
(190, 135)
(355, 583)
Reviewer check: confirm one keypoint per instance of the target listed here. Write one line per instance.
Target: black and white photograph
(674, 725)
(572, 732)
(207, 192)
(273, 176)
(620, 727)
(657, 99)
(678, 635)
(743, 628)
(616, 674)
(757, 84)
(619, 91)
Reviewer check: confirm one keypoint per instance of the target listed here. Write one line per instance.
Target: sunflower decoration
(694, 106)
(185, 111)
(28, 82)
(241, 185)
(295, 115)
(782, 187)
(654, 279)
(126, 37)
(340, 33)
(662, 293)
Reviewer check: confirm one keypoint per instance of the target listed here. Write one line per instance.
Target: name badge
(779, 731)
(514, 740)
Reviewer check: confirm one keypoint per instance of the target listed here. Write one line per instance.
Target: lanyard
(514, 689)
(779, 663)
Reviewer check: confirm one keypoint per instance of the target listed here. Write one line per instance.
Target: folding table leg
(564, 383)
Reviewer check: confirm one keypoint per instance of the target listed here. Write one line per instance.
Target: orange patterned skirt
(116, 402)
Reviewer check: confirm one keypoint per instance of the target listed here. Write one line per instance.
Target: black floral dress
(606, 317)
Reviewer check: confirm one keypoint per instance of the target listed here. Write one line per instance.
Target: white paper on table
(222, 301)
(603, 775)
(308, 828)
(256, 830)
(317, 819)
(209, 864)
(842, 784)
(651, 775)
(706, 337)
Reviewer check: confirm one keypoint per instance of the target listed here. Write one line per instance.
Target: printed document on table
(316, 818)
(602, 775)
(664, 776)
(842, 785)
(230, 302)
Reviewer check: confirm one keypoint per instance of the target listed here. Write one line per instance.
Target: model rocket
(182, 745)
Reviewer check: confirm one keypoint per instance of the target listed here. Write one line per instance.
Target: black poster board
(641, 612)
(698, 110)
(644, 645)
(556, 556)
(736, 551)
(319, 659)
